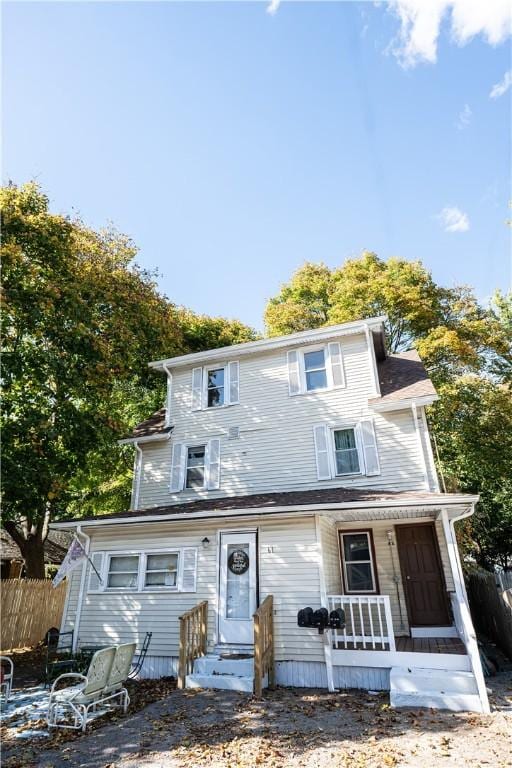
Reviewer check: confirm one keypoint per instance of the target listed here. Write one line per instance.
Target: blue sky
(232, 145)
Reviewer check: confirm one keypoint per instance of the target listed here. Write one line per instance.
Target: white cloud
(464, 117)
(420, 25)
(453, 219)
(502, 87)
(273, 6)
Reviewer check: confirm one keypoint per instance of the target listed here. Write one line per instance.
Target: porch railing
(368, 622)
(264, 645)
(193, 639)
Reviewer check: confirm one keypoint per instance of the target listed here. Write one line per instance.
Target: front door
(237, 587)
(422, 574)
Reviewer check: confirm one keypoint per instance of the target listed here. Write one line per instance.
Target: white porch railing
(368, 622)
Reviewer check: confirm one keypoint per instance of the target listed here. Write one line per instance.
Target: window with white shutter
(96, 582)
(189, 570)
(369, 445)
(197, 388)
(323, 467)
(177, 467)
(213, 464)
(335, 369)
(315, 369)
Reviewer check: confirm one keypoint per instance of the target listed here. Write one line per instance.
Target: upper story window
(215, 386)
(315, 371)
(316, 368)
(195, 466)
(345, 452)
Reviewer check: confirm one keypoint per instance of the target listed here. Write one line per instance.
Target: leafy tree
(472, 423)
(80, 322)
(452, 332)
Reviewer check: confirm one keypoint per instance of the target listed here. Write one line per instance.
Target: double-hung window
(346, 453)
(161, 570)
(123, 572)
(195, 474)
(357, 556)
(315, 370)
(215, 387)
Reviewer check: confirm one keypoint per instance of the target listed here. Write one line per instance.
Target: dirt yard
(289, 727)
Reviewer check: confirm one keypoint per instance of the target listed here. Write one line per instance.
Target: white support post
(327, 639)
(389, 625)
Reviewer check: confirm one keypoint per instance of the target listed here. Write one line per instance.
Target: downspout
(87, 545)
(168, 396)
(420, 443)
(137, 472)
(462, 597)
(372, 359)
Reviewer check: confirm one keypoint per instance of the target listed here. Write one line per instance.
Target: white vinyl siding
(275, 450)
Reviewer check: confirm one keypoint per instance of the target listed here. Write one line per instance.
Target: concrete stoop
(230, 674)
(434, 688)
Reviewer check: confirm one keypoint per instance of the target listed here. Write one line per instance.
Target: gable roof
(403, 376)
(285, 499)
(151, 427)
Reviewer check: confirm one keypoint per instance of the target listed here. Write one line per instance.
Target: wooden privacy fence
(491, 614)
(193, 639)
(29, 609)
(264, 645)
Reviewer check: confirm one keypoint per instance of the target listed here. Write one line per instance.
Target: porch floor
(412, 645)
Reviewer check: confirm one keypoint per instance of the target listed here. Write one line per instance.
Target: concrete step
(221, 682)
(434, 688)
(214, 665)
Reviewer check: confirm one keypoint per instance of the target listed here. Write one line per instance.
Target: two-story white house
(298, 467)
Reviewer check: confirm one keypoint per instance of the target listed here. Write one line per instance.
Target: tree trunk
(31, 547)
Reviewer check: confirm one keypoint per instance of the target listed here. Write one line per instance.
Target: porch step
(212, 671)
(434, 688)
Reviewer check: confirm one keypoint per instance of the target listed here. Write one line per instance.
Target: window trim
(302, 369)
(360, 452)
(225, 386)
(141, 573)
(188, 446)
(373, 561)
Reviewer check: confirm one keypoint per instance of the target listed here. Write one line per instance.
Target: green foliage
(81, 321)
(472, 423)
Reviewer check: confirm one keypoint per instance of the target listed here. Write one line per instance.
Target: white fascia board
(402, 405)
(263, 345)
(298, 510)
(148, 439)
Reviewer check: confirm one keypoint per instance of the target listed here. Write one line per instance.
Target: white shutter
(95, 584)
(323, 467)
(197, 388)
(335, 364)
(371, 456)
(177, 467)
(234, 383)
(293, 372)
(212, 461)
(189, 569)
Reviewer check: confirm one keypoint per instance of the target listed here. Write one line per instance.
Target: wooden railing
(264, 645)
(193, 639)
(368, 622)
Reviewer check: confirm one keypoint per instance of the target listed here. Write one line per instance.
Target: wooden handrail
(193, 639)
(264, 645)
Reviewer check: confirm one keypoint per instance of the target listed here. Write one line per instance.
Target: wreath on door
(238, 562)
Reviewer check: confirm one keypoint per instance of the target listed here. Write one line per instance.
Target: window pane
(344, 438)
(316, 380)
(314, 360)
(162, 562)
(215, 397)
(195, 477)
(347, 462)
(161, 579)
(196, 456)
(356, 547)
(124, 563)
(126, 580)
(216, 378)
(359, 577)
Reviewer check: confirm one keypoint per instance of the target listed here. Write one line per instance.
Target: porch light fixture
(205, 542)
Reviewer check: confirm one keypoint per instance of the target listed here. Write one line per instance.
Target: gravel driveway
(290, 727)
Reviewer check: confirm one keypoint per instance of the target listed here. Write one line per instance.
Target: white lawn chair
(118, 674)
(6, 677)
(79, 699)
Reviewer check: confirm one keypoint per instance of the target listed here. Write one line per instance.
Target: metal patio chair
(6, 677)
(142, 655)
(59, 654)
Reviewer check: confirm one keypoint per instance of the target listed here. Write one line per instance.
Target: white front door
(237, 587)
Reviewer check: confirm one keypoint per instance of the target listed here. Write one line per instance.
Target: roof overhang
(148, 439)
(401, 405)
(265, 345)
(460, 501)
